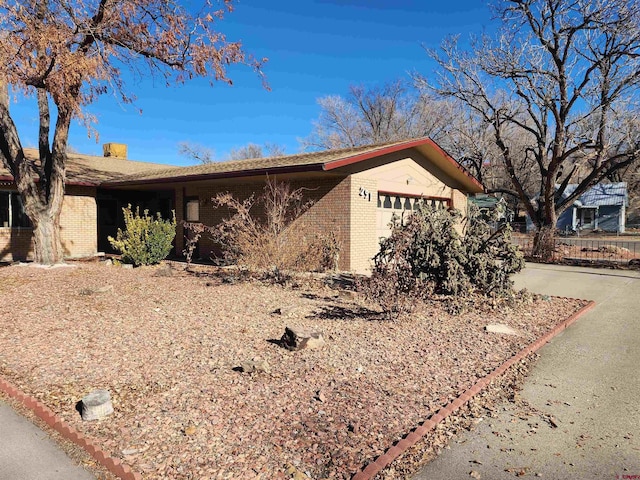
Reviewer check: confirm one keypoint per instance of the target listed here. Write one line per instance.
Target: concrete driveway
(578, 415)
(27, 453)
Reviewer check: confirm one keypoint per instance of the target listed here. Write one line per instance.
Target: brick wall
(330, 209)
(79, 222)
(363, 239)
(331, 212)
(459, 202)
(78, 229)
(15, 244)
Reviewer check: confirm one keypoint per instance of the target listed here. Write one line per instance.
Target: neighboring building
(355, 193)
(602, 207)
(487, 204)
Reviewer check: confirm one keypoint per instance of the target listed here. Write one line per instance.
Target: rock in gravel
(255, 366)
(295, 338)
(127, 266)
(500, 328)
(89, 291)
(96, 405)
(164, 271)
(296, 474)
(346, 295)
(321, 396)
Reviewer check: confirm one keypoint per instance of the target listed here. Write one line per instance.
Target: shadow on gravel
(335, 312)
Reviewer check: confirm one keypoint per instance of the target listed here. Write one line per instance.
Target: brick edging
(40, 410)
(373, 468)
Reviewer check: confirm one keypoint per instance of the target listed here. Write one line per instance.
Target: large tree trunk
(46, 219)
(544, 243)
(42, 200)
(46, 238)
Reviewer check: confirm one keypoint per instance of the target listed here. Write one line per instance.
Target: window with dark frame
(12, 214)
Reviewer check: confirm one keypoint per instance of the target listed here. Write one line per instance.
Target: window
(193, 210)
(12, 213)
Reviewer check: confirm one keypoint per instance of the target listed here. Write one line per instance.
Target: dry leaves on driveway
(166, 346)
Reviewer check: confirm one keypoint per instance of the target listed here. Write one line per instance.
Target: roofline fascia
(9, 178)
(314, 167)
(395, 148)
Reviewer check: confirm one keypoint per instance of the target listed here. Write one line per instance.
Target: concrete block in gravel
(499, 328)
(96, 405)
(255, 366)
(299, 338)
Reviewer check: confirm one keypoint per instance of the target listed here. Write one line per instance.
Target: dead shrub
(267, 233)
(428, 256)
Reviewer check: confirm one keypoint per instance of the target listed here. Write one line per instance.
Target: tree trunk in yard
(544, 243)
(46, 218)
(46, 239)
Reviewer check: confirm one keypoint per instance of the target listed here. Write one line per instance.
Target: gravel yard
(167, 348)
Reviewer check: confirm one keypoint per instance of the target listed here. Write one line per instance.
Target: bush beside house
(146, 240)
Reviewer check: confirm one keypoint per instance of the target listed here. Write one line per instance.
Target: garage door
(402, 206)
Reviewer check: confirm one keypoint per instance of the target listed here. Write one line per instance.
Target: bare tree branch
(557, 86)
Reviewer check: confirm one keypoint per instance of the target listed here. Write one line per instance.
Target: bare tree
(631, 175)
(467, 139)
(70, 52)
(396, 111)
(253, 150)
(393, 111)
(204, 155)
(558, 89)
(196, 152)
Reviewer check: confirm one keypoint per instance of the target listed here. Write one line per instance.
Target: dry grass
(166, 348)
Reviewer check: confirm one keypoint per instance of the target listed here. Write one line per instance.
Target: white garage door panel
(401, 206)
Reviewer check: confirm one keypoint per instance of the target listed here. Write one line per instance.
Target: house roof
(484, 201)
(93, 170)
(602, 194)
(315, 161)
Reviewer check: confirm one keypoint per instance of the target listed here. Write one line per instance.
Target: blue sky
(315, 48)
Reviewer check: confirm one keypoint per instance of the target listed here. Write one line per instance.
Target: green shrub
(427, 255)
(146, 240)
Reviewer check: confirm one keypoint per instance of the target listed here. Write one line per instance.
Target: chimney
(117, 150)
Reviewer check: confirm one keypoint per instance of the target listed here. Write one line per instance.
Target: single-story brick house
(355, 193)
